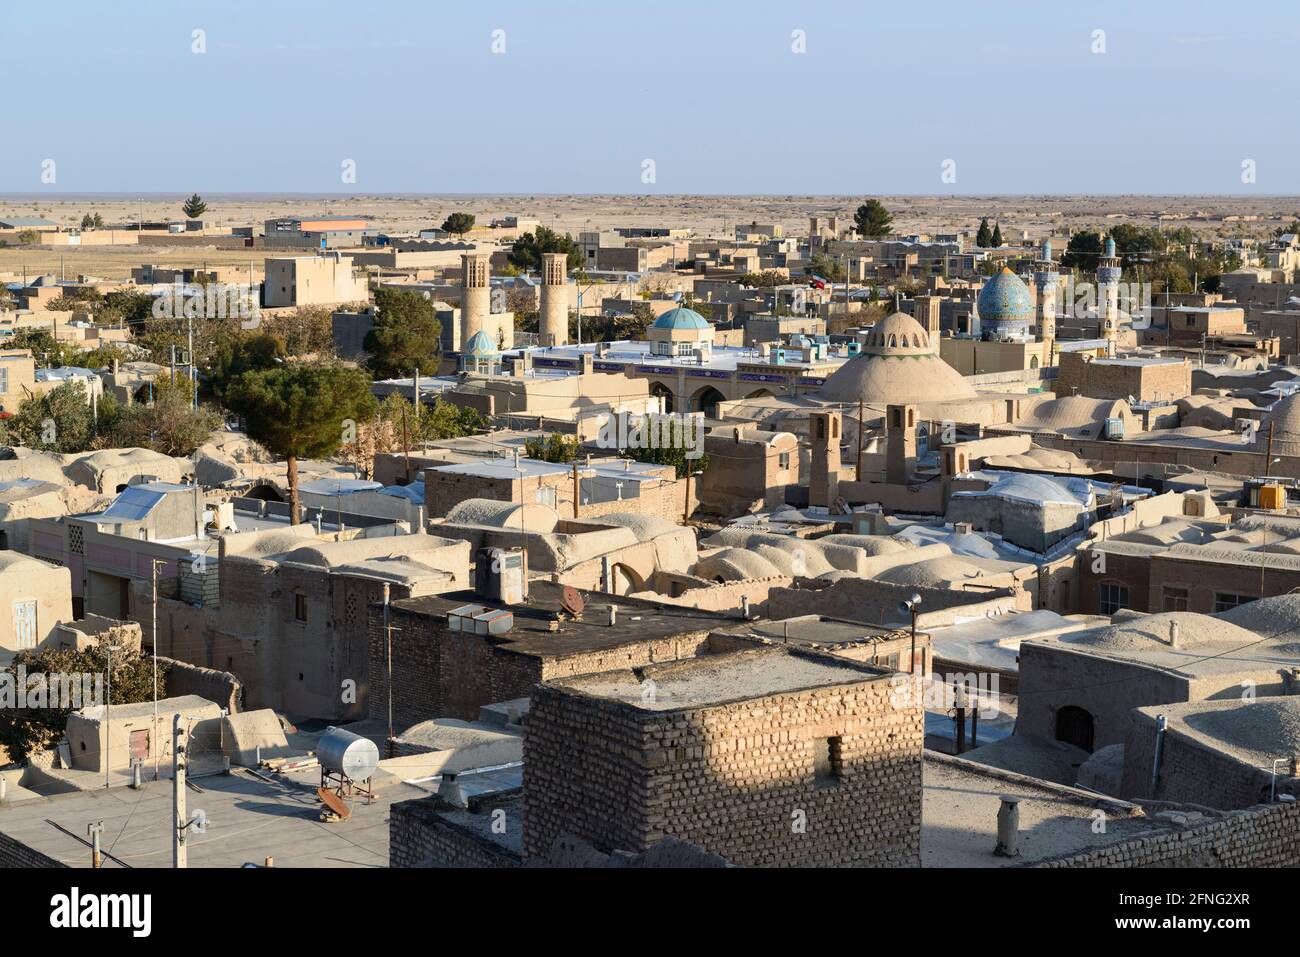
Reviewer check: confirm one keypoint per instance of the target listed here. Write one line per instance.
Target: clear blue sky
(711, 91)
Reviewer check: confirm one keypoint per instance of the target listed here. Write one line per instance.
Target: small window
(1175, 599)
(783, 460)
(828, 766)
(300, 607)
(1224, 601)
(1111, 598)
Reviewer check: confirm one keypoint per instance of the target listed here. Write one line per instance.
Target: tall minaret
(553, 323)
(1047, 282)
(1108, 273)
(475, 296)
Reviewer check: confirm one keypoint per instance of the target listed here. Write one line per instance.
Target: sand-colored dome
(1283, 419)
(898, 364)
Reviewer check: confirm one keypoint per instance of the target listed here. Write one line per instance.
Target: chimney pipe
(744, 607)
(1173, 635)
(1008, 828)
(613, 615)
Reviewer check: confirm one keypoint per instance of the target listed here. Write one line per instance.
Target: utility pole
(180, 817)
(1268, 453)
(388, 652)
(108, 714)
(575, 488)
(154, 735)
(94, 829)
(857, 472)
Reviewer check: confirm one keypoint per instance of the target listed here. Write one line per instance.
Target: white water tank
(342, 752)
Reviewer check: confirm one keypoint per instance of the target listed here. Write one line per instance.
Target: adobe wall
(1052, 678)
(736, 779)
(1266, 835)
(1190, 773)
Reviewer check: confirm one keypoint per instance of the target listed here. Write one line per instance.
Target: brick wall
(441, 673)
(1263, 836)
(736, 779)
(420, 837)
(1190, 772)
(14, 853)
(1052, 677)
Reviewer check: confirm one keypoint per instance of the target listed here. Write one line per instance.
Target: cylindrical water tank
(348, 753)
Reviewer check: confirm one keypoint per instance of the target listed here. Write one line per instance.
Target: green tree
(236, 355)
(126, 307)
(1083, 251)
(301, 411)
(526, 253)
(446, 420)
(26, 731)
(405, 334)
(765, 279)
(45, 349)
(873, 220)
(996, 240)
(669, 455)
(827, 267)
(552, 448)
(984, 237)
(458, 223)
(194, 207)
(55, 421)
(169, 424)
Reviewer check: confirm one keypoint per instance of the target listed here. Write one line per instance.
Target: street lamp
(908, 606)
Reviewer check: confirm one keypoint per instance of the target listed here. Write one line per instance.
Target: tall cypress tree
(984, 236)
(997, 235)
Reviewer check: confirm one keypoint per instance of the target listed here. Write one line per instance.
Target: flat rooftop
(531, 635)
(721, 679)
(959, 817)
(249, 819)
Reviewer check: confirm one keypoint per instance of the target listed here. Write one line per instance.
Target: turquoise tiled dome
(480, 344)
(681, 318)
(1005, 304)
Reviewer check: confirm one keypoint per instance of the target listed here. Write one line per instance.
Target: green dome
(681, 318)
(480, 344)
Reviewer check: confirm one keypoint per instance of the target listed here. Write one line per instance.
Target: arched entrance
(624, 581)
(661, 391)
(1074, 726)
(706, 400)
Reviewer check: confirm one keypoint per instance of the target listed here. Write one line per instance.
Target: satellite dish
(571, 600)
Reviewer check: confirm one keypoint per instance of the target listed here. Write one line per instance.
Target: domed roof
(1005, 302)
(680, 318)
(480, 344)
(898, 334)
(898, 364)
(1283, 421)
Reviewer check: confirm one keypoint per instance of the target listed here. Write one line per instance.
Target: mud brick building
(440, 671)
(769, 757)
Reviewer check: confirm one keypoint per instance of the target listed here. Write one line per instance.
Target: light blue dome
(681, 318)
(480, 344)
(1005, 304)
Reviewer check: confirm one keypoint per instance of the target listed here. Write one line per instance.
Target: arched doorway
(624, 581)
(1074, 726)
(706, 401)
(661, 391)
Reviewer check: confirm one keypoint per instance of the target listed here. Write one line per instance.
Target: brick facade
(737, 779)
(1264, 836)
